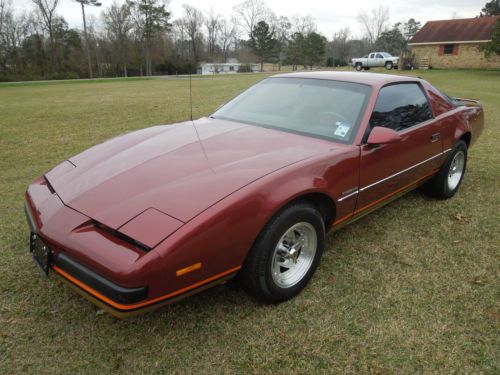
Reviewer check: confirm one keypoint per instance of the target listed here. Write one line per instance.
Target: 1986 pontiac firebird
(165, 212)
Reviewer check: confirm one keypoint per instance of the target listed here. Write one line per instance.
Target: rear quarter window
(439, 101)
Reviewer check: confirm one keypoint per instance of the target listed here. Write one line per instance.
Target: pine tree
(263, 42)
(493, 47)
(491, 8)
(151, 19)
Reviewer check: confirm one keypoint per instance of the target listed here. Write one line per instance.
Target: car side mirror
(382, 136)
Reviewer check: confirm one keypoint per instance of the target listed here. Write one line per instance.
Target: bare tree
(4, 14)
(47, 10)
(83, 3)
(303, 25)
(4, 8)
(339, 45)
(179, 35)
(282, 28)
(213, 25)
(193, 22)
(251, 12)
(93, 40)
(14, 28)
(150, 19)
(118, 24)
(227, 35)
(374, 22)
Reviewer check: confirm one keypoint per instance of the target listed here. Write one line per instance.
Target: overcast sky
(330, 15)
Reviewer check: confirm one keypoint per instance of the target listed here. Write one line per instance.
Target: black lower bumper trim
(100, 284)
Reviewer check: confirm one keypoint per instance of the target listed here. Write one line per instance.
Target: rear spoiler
(468, 102)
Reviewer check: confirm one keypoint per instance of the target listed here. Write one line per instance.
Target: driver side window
(400, 106)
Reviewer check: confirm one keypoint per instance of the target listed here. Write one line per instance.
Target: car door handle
(435, 137)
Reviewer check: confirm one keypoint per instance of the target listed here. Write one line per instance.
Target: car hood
(178, 170)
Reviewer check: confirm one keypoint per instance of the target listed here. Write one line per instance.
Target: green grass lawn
(411, 288)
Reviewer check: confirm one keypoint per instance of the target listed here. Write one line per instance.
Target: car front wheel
(388, 65)
(359, 67)
(285, 255)
(447, 181)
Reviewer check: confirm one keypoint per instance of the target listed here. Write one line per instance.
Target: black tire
(389, 65)
(359, 67)
(256, 275)
(439, 185)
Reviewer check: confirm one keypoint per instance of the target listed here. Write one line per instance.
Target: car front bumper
(108, 295)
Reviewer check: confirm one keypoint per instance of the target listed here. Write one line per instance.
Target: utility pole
(95, 3)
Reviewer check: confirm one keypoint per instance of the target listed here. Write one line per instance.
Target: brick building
(455, 43)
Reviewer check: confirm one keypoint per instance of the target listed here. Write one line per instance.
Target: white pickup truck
(375, 59)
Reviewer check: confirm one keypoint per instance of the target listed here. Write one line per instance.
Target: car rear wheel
(359, 67)
(285, 255)
(388, 65)
(447, 181)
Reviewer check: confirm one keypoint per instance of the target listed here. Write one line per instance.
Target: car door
(379, 60)
(371, 59)
(388, 169)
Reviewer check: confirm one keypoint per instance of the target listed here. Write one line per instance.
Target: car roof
(372, 79)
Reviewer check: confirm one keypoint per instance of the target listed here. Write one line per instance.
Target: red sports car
(164, 212)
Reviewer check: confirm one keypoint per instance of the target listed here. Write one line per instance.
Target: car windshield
(385, 54)
(319, 108)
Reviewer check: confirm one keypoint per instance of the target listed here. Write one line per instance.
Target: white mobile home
(225, 68)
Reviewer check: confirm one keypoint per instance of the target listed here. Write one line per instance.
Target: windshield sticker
(342, 129)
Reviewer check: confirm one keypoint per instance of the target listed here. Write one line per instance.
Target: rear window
(400, 106)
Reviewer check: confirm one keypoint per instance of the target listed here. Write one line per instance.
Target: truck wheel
(359, 67)
(388, 65)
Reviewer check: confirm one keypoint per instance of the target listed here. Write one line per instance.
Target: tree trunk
(148, 60)
(123, 57)
(53, 50)
(87, 42)
(195, 52)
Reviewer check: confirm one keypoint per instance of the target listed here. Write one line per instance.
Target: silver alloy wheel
(294, 254)
(456, 170)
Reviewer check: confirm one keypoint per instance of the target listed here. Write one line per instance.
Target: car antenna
(192, 122)
(190, 97)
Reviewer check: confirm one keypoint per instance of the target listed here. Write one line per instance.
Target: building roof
(460, 30)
